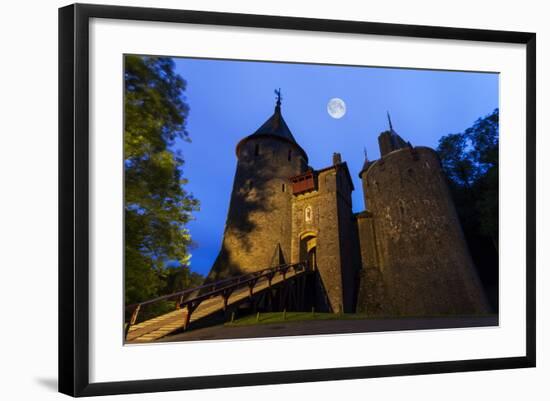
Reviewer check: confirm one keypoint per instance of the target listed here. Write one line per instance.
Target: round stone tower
(423, 261)
(258, 228)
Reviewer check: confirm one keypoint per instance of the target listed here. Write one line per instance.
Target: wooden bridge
(196, 304)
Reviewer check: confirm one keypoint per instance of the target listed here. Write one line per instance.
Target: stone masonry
(404, 255)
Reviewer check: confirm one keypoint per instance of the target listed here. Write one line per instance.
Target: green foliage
(157, 206)
(470, 160)
(455, 159)
(288, 317)
(178, 279)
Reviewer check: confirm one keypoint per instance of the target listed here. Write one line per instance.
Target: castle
(404, 255)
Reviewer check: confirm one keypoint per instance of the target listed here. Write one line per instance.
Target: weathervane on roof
(279, 97)
(365, 151)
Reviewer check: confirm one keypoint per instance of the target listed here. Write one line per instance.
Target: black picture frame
(74, 198)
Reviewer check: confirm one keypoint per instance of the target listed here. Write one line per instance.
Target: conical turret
(275, 127)
(259, 220)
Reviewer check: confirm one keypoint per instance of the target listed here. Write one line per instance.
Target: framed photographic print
(250, 199)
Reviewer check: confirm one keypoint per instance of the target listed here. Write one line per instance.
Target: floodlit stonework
(404, 255)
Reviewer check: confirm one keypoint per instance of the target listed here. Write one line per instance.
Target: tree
(455, 160)
(178, 279)
(470, 161)
(483, 136)
(157, 206)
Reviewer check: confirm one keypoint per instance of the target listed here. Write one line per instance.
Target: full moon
(336, 108)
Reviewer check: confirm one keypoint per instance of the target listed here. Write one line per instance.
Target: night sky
(229, 100)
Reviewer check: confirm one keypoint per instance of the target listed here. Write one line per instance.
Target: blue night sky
(229, 100)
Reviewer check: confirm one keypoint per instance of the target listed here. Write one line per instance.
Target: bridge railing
(192, 297)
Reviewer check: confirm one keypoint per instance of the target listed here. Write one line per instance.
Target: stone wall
(367, 239)
(422, 256)
(349, 243)
(258, 228)
(405, 255)
(332, 225)
(371, 298)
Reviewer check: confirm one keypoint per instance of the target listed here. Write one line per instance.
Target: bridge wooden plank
(158, 327)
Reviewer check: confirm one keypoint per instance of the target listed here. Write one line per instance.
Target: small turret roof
(275, 127)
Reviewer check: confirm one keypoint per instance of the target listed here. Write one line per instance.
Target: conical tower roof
(274, 127)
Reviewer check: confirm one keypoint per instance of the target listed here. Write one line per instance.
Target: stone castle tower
(414, 258)
(258, 227)
(404, 255)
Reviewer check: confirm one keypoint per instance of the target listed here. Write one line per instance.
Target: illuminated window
(308, 214)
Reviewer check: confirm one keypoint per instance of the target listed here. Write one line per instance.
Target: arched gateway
(308, 249)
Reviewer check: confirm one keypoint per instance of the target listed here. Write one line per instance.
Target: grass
(282, 317)
(288, 317)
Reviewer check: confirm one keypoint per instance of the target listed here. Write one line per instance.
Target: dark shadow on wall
(482, 248)
(222, 268)
(251, 193)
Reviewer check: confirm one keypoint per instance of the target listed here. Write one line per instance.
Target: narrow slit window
(257, 149)
(289, 154)
(283, 187)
